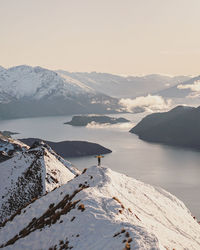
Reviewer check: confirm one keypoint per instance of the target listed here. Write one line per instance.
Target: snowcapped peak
(36, 82)
(27, 68)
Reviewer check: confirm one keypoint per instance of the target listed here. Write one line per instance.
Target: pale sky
(116, 36)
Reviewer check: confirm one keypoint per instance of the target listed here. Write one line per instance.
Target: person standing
(99, 159)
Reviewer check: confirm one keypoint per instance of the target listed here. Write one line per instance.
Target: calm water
(176, 170)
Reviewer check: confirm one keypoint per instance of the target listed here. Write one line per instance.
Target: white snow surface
(7, 144)
(36, 82)
(116, 209)
(66, 163)
(30, 174)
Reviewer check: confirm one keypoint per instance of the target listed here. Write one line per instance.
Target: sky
(130, 37)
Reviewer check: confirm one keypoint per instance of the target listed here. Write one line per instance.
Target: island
(71, 148)
(177, 127)
(8, 133)
(84, 120)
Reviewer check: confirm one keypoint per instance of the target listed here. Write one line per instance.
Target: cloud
(125, 125)
(150, 103)
(193, 95)
(195, 87)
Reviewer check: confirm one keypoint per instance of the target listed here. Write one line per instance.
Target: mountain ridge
(27, 91)
(102, 209)
(29, 175)
(124, 86)
(176, 92)
(46, 203)
(177, 127)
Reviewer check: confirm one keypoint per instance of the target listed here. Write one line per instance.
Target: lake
(175, 169)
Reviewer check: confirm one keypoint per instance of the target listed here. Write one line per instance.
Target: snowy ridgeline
(28, 173)
(99, 209)
(36, 82)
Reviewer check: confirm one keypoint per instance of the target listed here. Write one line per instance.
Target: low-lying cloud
(195, 87)
(124, 126)
(150, 103)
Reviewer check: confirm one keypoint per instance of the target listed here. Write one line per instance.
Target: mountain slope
(34, 91)
(29, 175)
(124, 86)
(36, 82)
(178, 127)
(9, 147)
(181, 90)
(102, 209)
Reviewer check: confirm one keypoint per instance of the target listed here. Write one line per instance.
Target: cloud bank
(195, 87)
(150, 103)
(124, 126)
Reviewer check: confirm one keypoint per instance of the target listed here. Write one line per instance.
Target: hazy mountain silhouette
(176, 92)
(71, 148)
(178, 127)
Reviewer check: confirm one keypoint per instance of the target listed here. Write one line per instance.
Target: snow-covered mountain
(124, 86)
(27, 91)
(35, 91)
(2, 68)
(36, 82)
(9, 147)
(101, 209)
(189, 89)
(29, 175)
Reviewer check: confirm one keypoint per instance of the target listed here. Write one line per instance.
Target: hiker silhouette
(99, 159)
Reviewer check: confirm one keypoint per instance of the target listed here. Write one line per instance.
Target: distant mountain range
(124, 86)
(27, 91)
(183, 89)
(178, 127)
(34, 91)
